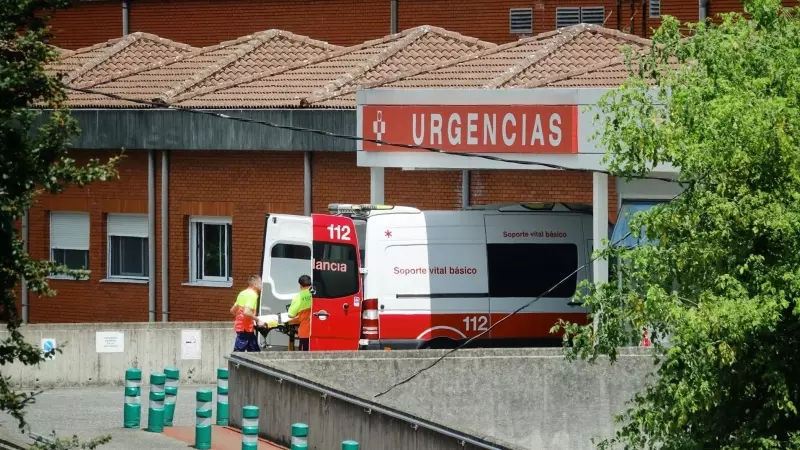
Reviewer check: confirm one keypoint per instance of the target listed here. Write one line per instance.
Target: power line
(357, 138)
(468, 341)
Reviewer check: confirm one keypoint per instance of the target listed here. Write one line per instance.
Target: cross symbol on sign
(388, 233)
(379, 126)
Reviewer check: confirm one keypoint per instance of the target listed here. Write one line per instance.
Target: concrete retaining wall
(330, 420)
(148, 346)
(520, 398)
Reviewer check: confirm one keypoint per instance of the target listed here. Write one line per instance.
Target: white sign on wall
(109, 342)
(190, 344)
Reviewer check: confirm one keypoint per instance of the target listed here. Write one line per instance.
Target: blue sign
(48, 345)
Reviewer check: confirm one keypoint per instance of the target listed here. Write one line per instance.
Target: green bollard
(155, 415)
(132, 412)
(222, 397)
(250, 428)
(299, 436)
(349, 445)
(202, 428)
(171, 394)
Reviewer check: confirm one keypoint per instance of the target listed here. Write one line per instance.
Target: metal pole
(464, 189)
(307, 183)
(24, 292)
(703, 13)
(125, 20)
(151, 233)
(164, 236)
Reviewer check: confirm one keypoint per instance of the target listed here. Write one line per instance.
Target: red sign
(539, 129)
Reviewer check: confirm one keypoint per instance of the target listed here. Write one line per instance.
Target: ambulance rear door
(337, 293)
(286, 256)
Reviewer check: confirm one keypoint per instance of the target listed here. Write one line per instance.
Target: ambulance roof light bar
(357, 210)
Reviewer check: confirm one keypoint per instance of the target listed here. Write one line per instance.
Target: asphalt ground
(91, 412)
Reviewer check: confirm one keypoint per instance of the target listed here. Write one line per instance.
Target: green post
(349, 445)
(222, 397)
(202, 428)
(155, 414)
(171, 394)
(299, 436)
(250, 427)
(132, 412)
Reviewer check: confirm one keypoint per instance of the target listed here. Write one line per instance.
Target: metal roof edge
(171, 129)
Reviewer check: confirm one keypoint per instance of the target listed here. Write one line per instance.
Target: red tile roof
(165, 78)
(308, 83)
(277, 69)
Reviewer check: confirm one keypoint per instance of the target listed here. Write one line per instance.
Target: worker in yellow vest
(300, 312)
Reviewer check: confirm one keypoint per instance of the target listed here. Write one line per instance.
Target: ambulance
(400, 278)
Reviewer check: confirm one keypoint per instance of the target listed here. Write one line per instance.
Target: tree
(720, 274)
(33, 159)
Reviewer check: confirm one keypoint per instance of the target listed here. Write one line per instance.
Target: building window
(521, 20)
(69, 239)
(529, 270)
(211, 247)
(621, 236)
(655, 9)
(567, 17)
(128, 250)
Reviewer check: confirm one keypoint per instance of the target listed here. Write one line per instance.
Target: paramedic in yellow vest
(245, 312)
(300, 311)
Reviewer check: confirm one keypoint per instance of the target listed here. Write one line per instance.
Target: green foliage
(32, 160)
(73, 443)
(719, 290)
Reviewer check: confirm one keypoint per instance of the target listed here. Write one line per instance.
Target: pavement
(91, 412)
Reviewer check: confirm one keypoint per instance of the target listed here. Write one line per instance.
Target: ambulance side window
(336, 272)
(529, 270)
(289, 261)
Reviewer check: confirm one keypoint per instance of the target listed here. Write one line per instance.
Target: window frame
(514, 16)
(650, 9)
(194, 255)
(109, 250)
(52, 248)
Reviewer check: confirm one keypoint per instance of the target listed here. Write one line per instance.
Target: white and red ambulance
(397, 277)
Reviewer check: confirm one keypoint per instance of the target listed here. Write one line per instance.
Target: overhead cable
(350, 137)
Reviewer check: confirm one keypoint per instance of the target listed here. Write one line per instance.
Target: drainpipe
(619, 15)
(464, 189)
(25, 283)
(165, 236)
(151, 233)
(393, 18)
(125, 22)
(645, 13)
(703, 13)
(307, 183)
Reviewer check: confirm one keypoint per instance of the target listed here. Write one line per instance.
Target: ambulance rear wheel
(440, 344)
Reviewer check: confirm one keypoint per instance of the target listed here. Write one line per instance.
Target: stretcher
(280, 322)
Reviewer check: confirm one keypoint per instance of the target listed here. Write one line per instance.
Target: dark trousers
(246, 341)
(303, 344)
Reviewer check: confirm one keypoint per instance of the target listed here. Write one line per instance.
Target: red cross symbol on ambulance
(379, 127)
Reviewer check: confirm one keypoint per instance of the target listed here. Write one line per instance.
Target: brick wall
(245, 186)
(342, 22)
(91, 300)
(242, 185)
(507, 186)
